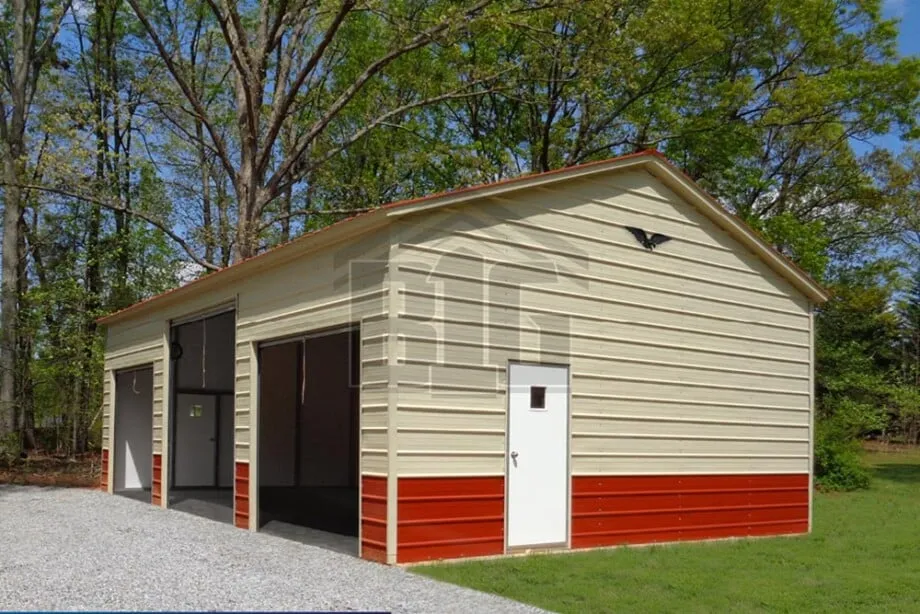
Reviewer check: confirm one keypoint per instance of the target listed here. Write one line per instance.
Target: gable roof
(651, 161)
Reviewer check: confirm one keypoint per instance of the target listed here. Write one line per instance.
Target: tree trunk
(9, 301)
(22, 72)
(24, 384)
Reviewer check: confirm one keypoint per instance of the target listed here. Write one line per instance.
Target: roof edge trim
(521, 183)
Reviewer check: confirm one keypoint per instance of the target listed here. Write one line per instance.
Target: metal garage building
(516, 366)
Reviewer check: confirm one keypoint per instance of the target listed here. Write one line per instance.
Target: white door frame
(568, 452)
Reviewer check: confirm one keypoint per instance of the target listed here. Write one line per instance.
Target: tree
(28, 31)
(297, 69)
(856, 355)
(759, 101)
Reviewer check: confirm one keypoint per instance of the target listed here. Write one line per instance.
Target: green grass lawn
(864, 556)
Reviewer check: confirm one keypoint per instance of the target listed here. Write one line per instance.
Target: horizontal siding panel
(241, 495)
(592, 217)
(613, 387)
(625, 445)
(374, 396)
(131, 336)
(374, 462)
(374, 440)
(159, 410)
(563, 331)
(539, 262)
(434, 464)
(443, 375)
(375, 351)
(708, 238)
(374, 418)
(611, 510)
(457, 441)
(374, 518)
(313, 311)
(475, 400)
(623, 427)
(156, 484)
(375, 373)
(614, 505)
(304, 281)
(652, 410)
(446, 313)
(590, 237)
(497, 352)
(689, 374)
(428, 351)
(676, 465)
(338, 316)
(449, 419)
(429, 303)
(450, 517)
(550, 289)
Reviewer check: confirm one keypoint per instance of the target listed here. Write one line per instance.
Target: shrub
(838, 462)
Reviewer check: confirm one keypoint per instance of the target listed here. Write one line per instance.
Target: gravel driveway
(79, 549)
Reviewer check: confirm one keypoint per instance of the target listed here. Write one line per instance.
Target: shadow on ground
(898, 472)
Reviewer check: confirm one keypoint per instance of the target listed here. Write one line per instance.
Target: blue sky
(908, 11)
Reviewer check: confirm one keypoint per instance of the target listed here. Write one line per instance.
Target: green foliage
(805, 242)
(863, 376)
(838, 461)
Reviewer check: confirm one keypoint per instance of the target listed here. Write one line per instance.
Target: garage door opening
(133, 454)
(308, 439)
(201, 474)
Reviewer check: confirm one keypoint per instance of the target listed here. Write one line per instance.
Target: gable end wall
(688, 363)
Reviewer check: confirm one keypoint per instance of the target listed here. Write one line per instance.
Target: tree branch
(310, 213)
(159, 224)
(421, 40)
(184, 86)
(281, 106)
(242, 60)
(296, 174)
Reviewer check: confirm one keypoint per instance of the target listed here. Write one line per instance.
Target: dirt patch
(39, 469)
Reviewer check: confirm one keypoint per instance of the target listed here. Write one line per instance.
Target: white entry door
(196, 440)
(538, 450)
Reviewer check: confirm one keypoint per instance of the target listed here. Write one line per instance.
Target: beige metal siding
(342, 285)
(130, 345)
(338, 286)
(690, 359)
(145, 342)
(108, 400)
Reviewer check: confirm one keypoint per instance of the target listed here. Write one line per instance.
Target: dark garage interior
(308, 438)
(201, 471)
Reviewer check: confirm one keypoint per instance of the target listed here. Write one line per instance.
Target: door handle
(514, 456)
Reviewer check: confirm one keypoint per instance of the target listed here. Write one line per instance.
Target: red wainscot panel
(374, 518)
(608, 511)
(156, 482)
(450, 517)
(241, 496)
(104, 478)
